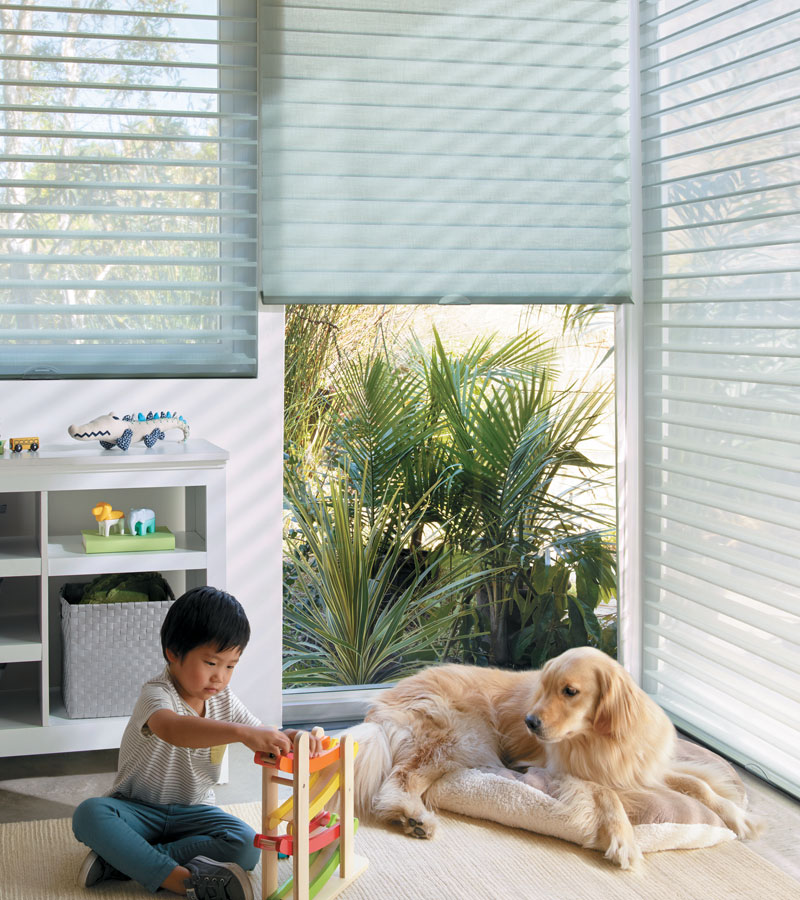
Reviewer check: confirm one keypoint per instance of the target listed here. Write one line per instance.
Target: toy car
(18, 444)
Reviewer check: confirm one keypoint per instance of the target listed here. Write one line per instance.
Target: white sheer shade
(427, 149)
(128, 188)
(722, 374)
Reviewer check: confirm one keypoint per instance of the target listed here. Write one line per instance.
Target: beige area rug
(467, 860)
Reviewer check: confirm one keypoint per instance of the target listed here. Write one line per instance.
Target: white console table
(33, 720)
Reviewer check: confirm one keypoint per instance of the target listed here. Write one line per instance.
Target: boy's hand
(269, 741)
(315, 737)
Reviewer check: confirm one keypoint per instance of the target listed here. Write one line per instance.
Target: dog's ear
(619, 704)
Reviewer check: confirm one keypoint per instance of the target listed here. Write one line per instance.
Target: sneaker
(212, 880)
(95, 869)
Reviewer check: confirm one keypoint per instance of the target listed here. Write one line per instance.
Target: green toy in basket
(128, 587)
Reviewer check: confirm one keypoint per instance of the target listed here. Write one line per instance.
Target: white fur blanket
(668, 821)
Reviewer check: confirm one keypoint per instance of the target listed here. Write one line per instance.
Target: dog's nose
(533, 722)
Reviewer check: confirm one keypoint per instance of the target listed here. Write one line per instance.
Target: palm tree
(515, 440)
(472, 461)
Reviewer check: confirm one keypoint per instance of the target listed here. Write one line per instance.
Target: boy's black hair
(204, 615)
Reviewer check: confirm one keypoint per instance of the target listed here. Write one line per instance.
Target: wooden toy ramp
(319, 842)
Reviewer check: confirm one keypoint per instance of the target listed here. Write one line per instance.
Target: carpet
(467, 860)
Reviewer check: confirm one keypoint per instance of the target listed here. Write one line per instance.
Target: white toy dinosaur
(115, 431)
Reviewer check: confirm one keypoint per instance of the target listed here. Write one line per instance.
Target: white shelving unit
(33, 720)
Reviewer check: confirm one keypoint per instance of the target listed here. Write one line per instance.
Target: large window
(425, 152)
(128, 188)
(449, 490)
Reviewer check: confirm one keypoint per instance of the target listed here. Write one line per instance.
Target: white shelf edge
(66, 556)
(80, 456)
(20, 640)
(60, 719)
(19, 556)
(22, 733)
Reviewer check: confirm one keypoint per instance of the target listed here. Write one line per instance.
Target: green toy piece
(323, 865)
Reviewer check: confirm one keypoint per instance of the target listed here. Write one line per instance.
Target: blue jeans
(146, 841)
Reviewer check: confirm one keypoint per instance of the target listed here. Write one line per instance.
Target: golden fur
(442, 718)
(581, 717)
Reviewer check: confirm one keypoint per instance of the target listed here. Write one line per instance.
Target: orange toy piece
(317, 841)
(285, 763)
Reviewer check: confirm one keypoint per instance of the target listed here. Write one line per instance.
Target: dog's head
(583, 691)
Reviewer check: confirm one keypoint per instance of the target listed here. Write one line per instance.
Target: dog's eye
(569, 691)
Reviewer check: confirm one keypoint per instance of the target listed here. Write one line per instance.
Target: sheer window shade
(722, 374)
(128, 189)
(462, 149)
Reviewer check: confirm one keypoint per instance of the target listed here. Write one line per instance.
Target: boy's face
(202, 673)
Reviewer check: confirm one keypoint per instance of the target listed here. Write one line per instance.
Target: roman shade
(439, 150)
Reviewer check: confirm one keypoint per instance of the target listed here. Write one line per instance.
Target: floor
(50, 786)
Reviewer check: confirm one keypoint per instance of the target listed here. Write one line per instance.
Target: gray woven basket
(110, 650)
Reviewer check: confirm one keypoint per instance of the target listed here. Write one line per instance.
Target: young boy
(159, 825)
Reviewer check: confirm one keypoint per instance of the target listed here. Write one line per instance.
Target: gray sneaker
(95, 869)
(212, 880)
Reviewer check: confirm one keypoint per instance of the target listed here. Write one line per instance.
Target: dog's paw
(625, 854)
(421, 825)
(539, 779)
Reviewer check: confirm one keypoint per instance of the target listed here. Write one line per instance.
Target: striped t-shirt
(154, 771)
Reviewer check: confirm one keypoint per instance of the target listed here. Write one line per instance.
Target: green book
(161, 539)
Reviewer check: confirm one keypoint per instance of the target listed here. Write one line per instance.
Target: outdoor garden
(448, 496)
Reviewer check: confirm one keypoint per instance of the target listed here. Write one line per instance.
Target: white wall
(245, 416)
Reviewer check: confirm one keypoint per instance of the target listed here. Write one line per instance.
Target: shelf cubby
(48, 498)
(20, 638)
(19, 556)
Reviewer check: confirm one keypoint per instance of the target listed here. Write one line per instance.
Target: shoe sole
(86, 867)
(235, 869)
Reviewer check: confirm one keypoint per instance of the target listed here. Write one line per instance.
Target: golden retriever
(597, 725)
(582, 717)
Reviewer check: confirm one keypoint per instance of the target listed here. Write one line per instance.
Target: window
(128, 189)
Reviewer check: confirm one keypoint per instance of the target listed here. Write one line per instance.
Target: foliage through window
(442, 502)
